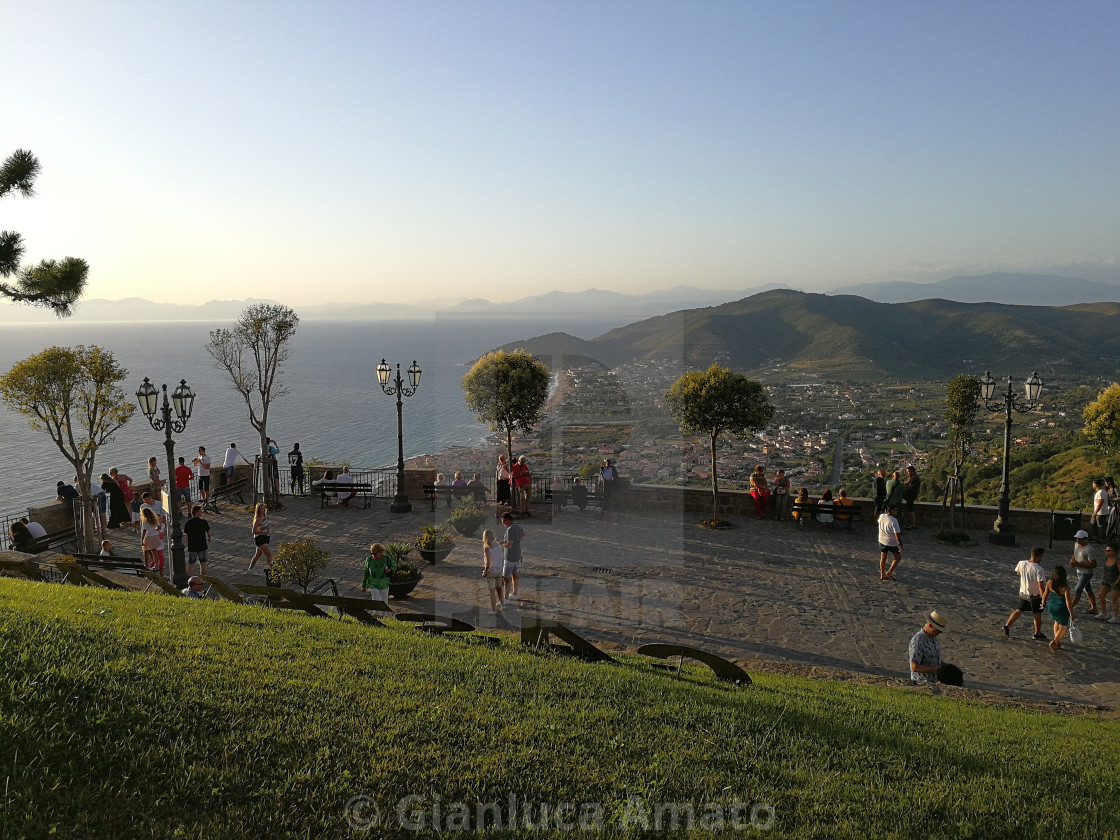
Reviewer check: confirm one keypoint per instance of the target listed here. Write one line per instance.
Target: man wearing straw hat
(925, 650)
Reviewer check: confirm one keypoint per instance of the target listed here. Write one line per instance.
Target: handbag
(1075, 633)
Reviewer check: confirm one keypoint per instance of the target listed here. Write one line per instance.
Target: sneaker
(1006, 631)
(1040, 636)
(1102, 616)
(515, 597)
(1114, 620)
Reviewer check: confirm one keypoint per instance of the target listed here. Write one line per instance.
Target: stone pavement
(763, 590)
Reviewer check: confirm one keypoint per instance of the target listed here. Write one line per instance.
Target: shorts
(203, 483)
(381, 595)
(183, 493)
(909, 504)
(1084, 584)
(509, 568)
(493, 582)
(196, 557)
(1033, 604)
(890, 549)
(260, 539)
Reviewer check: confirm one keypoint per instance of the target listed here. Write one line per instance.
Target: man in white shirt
(233, 455)
(203, 464)
(1102, 507)
(1032, 580)
(344, 477)
(890, 542)
(34, 528)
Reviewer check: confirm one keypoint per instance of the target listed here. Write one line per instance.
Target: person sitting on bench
(344, 477)
(579, 494)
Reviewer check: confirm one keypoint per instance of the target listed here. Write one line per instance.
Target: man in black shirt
(197, 532)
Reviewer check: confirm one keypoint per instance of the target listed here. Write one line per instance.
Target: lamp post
(1001, 533)
(183, 401)
(400, 500)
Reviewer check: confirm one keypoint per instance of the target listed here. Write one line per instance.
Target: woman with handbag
(1055, 600)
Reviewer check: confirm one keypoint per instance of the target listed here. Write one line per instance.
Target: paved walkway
(761, 591)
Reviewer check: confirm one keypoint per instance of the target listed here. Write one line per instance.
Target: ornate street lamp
(400, 500)
(183, 401)
(1001, 533)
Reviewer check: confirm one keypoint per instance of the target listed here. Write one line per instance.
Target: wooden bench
(74, 572)
(25, 569)
(343, 489)
(54, 539)
(226, 492)
(124, 565)
(564, 497)
(809, 510)
(447, 493)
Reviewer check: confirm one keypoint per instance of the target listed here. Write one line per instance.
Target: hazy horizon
(373, 152)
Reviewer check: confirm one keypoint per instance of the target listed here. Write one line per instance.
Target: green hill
(127, 716)
(845, 336)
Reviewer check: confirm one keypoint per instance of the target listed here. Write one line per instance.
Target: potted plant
(467, 517)
(299, 562)
(407, 575)
(435, 542)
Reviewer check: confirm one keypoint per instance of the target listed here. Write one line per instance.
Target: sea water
(334, 407)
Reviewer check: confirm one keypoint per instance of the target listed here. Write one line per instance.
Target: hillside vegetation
(127, 715)
(848, 337)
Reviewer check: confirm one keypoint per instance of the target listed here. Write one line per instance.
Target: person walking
(197, 531)
(1083, 562)
(119, 512)
(261, 538)
(379, 569)
(890, 542)
(910, 496)
(492, 570)
(760, 491)
(925, 649)
(1056, 601)
(511, 561)
(609, 475)
(780, 496)
(1032, 583)
(1111, 584)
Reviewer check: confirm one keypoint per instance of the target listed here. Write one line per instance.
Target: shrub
(299, 562)
(434, 538)
(467, 516)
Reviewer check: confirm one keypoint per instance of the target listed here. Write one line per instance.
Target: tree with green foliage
(55, 284)
(507, 391)
(1102, 419)
(73, 394)
(299, 562)
(252, 355)
(962, 405)
(718, 401)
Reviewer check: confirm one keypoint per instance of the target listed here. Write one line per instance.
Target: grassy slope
(140, 716)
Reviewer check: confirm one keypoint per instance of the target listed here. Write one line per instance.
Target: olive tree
(252, 354)
(507, 391)
(73, 394)
(961, 407)
(55, 284)
(718, 401)
(1102, 419)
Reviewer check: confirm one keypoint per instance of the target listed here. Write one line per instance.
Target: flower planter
(402, 588)
(434, 555)
(467, 529)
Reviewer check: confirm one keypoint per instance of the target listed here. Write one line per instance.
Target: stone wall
(977, 518)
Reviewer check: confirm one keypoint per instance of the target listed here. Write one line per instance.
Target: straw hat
(938, 621)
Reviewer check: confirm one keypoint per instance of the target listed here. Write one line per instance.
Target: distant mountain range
(1026, 289)
(792, 333)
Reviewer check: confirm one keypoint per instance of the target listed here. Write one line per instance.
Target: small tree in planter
(407, 574)
(435, 542)
(299, 562)
(467, 516)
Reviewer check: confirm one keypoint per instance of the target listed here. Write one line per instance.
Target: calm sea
(334, 409)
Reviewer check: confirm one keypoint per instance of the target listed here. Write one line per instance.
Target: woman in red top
(522, 481)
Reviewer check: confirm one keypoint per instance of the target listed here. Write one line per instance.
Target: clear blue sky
(366, 151)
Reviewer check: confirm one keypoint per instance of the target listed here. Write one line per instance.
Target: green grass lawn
(126, 715)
